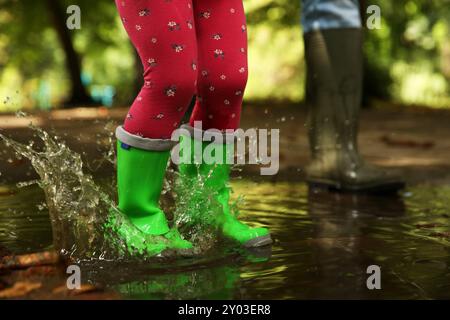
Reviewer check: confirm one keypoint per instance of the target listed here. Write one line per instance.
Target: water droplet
(21, 114)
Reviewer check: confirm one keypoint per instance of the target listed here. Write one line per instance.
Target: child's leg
(222, 46)
(222, 43)
(163, 33)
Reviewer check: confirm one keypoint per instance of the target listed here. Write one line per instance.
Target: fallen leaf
(407, 143)
(19, 289)
(85, 288)
(29, 260)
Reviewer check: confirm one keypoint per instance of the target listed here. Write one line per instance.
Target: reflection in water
(216, 276)
(342, 239)
(24, 222)
(324, 243)
(211, 283)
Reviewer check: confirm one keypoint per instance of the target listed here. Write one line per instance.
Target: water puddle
(324, 242)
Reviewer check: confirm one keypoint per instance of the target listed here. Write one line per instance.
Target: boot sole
(384, 188)
(259, 242)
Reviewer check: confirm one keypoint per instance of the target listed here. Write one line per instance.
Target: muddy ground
(415, 141)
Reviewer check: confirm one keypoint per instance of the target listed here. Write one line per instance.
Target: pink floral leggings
(187, 47)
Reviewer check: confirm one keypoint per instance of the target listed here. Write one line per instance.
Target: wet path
(324, 242)
(413, 140)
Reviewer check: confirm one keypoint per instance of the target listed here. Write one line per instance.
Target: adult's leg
(333, 50)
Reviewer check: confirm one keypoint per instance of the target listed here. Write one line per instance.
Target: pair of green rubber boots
(140, 177)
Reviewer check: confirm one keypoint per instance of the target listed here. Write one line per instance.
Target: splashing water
(86, 223)
(193, 199)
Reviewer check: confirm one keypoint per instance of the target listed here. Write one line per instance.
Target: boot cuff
(143, 143)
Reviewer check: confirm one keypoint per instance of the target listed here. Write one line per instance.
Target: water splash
(197, 209)
(192, 200)
(86, 224)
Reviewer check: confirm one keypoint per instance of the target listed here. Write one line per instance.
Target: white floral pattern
(218, 73)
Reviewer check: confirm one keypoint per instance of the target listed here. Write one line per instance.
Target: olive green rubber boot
(334, 87)
(141, 167)
(215, 177)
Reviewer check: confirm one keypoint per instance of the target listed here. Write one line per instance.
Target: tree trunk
(79, 94)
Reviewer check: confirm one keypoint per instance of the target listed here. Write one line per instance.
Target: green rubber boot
(215, 177)
(141, 167)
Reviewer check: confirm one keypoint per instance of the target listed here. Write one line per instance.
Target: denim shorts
(330, 14)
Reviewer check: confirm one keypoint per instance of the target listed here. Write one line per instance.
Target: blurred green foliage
(31, 54)
(407, 60)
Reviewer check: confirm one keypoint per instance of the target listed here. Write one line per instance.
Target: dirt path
(416, 141)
